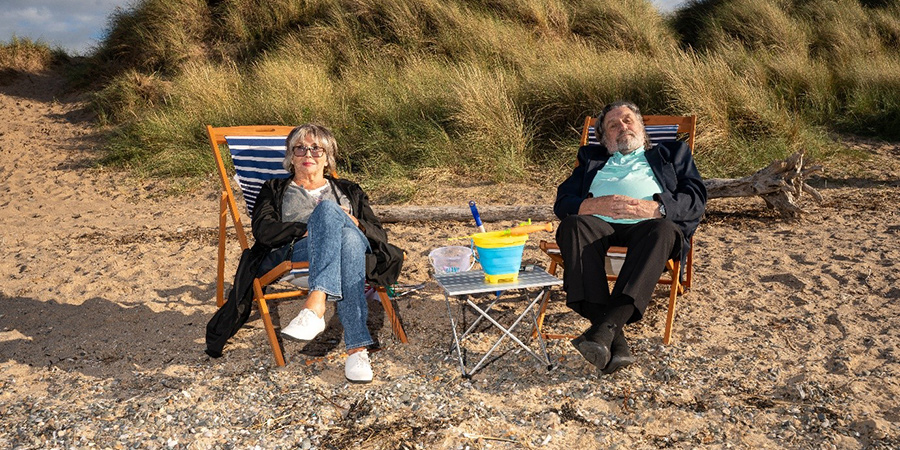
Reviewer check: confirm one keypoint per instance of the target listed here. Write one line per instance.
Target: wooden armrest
(280, 270)
(551, 248)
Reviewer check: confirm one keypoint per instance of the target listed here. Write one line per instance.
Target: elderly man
(624, 192)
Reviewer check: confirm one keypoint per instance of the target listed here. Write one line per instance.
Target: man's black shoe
(594, 344)
(621, 354)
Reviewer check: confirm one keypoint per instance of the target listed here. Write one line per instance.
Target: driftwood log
(489, 213)
(780, 184)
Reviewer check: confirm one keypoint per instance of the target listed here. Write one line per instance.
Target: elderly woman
(311, 216)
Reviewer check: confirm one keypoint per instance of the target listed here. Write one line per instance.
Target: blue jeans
(336, 251)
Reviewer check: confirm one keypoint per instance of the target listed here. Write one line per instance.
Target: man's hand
(620, 207)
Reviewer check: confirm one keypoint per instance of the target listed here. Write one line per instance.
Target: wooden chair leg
(396, 326)
(540, 317)
(267, 322)
(689, 270)
(551, 269)
(673, 297)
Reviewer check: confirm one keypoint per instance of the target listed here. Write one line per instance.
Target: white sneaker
(358, 369)
(306, 326)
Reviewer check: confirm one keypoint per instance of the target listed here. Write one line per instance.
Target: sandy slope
(789, 338)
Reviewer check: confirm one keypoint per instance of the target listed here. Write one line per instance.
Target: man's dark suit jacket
(684, 194)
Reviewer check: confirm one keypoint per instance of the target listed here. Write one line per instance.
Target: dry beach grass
(788, 340)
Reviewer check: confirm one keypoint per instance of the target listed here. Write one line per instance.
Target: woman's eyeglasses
(315, 151)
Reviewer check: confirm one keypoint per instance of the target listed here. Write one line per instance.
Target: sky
(77, 26)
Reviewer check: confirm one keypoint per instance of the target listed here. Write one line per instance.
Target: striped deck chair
(659, 129)
(256, 153)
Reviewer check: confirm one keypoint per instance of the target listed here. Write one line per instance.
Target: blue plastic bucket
(501, 264)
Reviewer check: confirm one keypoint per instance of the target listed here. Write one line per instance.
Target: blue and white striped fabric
(258, 159)
(657, 133)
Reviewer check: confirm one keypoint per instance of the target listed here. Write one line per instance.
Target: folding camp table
(473, 282)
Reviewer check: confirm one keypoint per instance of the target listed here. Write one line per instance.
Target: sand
(789, 338)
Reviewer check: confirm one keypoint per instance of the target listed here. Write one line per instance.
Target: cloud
(74, 26)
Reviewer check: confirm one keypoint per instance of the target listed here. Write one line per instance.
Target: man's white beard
(626, 144)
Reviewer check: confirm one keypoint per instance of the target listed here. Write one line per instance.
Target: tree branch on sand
(489, 213)
(781, 184)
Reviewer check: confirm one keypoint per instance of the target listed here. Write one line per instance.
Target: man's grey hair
(323, 137)
(615, 105)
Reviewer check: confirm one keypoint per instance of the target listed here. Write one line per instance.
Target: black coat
(383, 265)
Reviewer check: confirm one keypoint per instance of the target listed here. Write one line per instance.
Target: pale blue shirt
(629, 175)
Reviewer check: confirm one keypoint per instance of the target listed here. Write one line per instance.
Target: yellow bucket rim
(497, 239)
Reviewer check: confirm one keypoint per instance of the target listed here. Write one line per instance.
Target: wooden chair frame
(686, 127)
(228, 206)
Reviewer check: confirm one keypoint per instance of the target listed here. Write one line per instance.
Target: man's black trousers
(583, 241)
